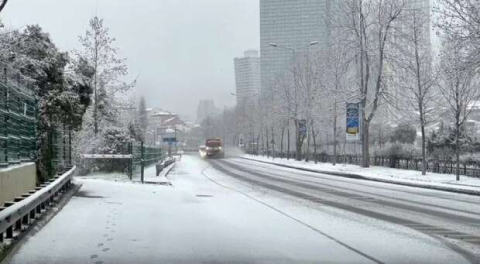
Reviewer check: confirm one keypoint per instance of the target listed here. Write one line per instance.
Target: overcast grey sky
(182, 50)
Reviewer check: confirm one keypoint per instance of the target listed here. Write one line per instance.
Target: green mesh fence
(143, 156)
(17, 125)
(60, 147)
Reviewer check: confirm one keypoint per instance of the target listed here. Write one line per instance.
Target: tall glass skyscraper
(247, 77)
(296, 23)
(292, 24)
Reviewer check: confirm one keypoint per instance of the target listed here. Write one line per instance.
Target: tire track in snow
(429, 230)
(294, 219)
(446, 196)
(349, 191)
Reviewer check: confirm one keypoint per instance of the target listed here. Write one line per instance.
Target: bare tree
(460, 20)
(309, 67)
(336, 68)
(98, 50)
(459, 28)
(367, 29)
(459, 87)
(416, 75)
(286, 101)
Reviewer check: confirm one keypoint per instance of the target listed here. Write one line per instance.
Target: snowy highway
(239, 211)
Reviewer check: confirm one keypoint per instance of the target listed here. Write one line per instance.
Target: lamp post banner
(353, 122)
(302, 127)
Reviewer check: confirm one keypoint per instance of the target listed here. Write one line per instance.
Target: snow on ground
(209, 217)
(194, 221)
(382, 173)
(151, 177)
(111, 176)
(383, 241)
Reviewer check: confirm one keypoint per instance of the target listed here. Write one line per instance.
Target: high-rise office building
(417, 13)
(205, 109)
(296, 23)
(423, 9)
(247, 76)
(290, 24)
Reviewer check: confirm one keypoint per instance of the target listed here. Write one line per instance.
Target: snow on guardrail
(22, 212)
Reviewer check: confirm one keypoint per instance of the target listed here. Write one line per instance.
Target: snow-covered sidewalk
(443, 182)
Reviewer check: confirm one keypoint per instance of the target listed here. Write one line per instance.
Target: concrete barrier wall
(16, 180)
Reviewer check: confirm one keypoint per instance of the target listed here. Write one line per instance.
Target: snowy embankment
(443, 182)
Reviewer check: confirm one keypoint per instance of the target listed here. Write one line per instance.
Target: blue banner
(353, 122)
(302, 127)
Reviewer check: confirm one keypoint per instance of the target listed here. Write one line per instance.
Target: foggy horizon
(173, 48)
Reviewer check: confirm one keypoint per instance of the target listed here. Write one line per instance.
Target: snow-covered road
(238, 211)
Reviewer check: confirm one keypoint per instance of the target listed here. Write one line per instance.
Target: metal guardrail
(20, 212)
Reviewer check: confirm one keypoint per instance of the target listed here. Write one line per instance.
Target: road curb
(163, 174)
(169, 168)
(360, 177)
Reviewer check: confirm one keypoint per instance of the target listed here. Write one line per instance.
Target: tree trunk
(267, 143)
(273, 143)
(365, 145)
(424, 153)
(307, 154)
(457, 153)
(281, 141)
(298, 142)
(335, 134)
(288, 142)
(314, 146)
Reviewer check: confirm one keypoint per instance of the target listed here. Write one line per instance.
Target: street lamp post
(295, 94)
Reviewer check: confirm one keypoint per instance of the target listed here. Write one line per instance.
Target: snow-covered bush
(404, 133)
(112, 140)
(471, 158)
(441, 144)
(397, 151)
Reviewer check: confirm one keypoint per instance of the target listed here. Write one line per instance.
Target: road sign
(170, 140)
(353, 122)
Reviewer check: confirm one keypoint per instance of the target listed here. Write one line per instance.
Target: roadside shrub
(442, 153)
(395, 152)
(111, 140)
(470, 158)
(404, 133)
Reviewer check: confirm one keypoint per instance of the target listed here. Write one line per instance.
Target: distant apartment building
(206, 108)
(158, 123)
(247, 76)
(293, 24)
